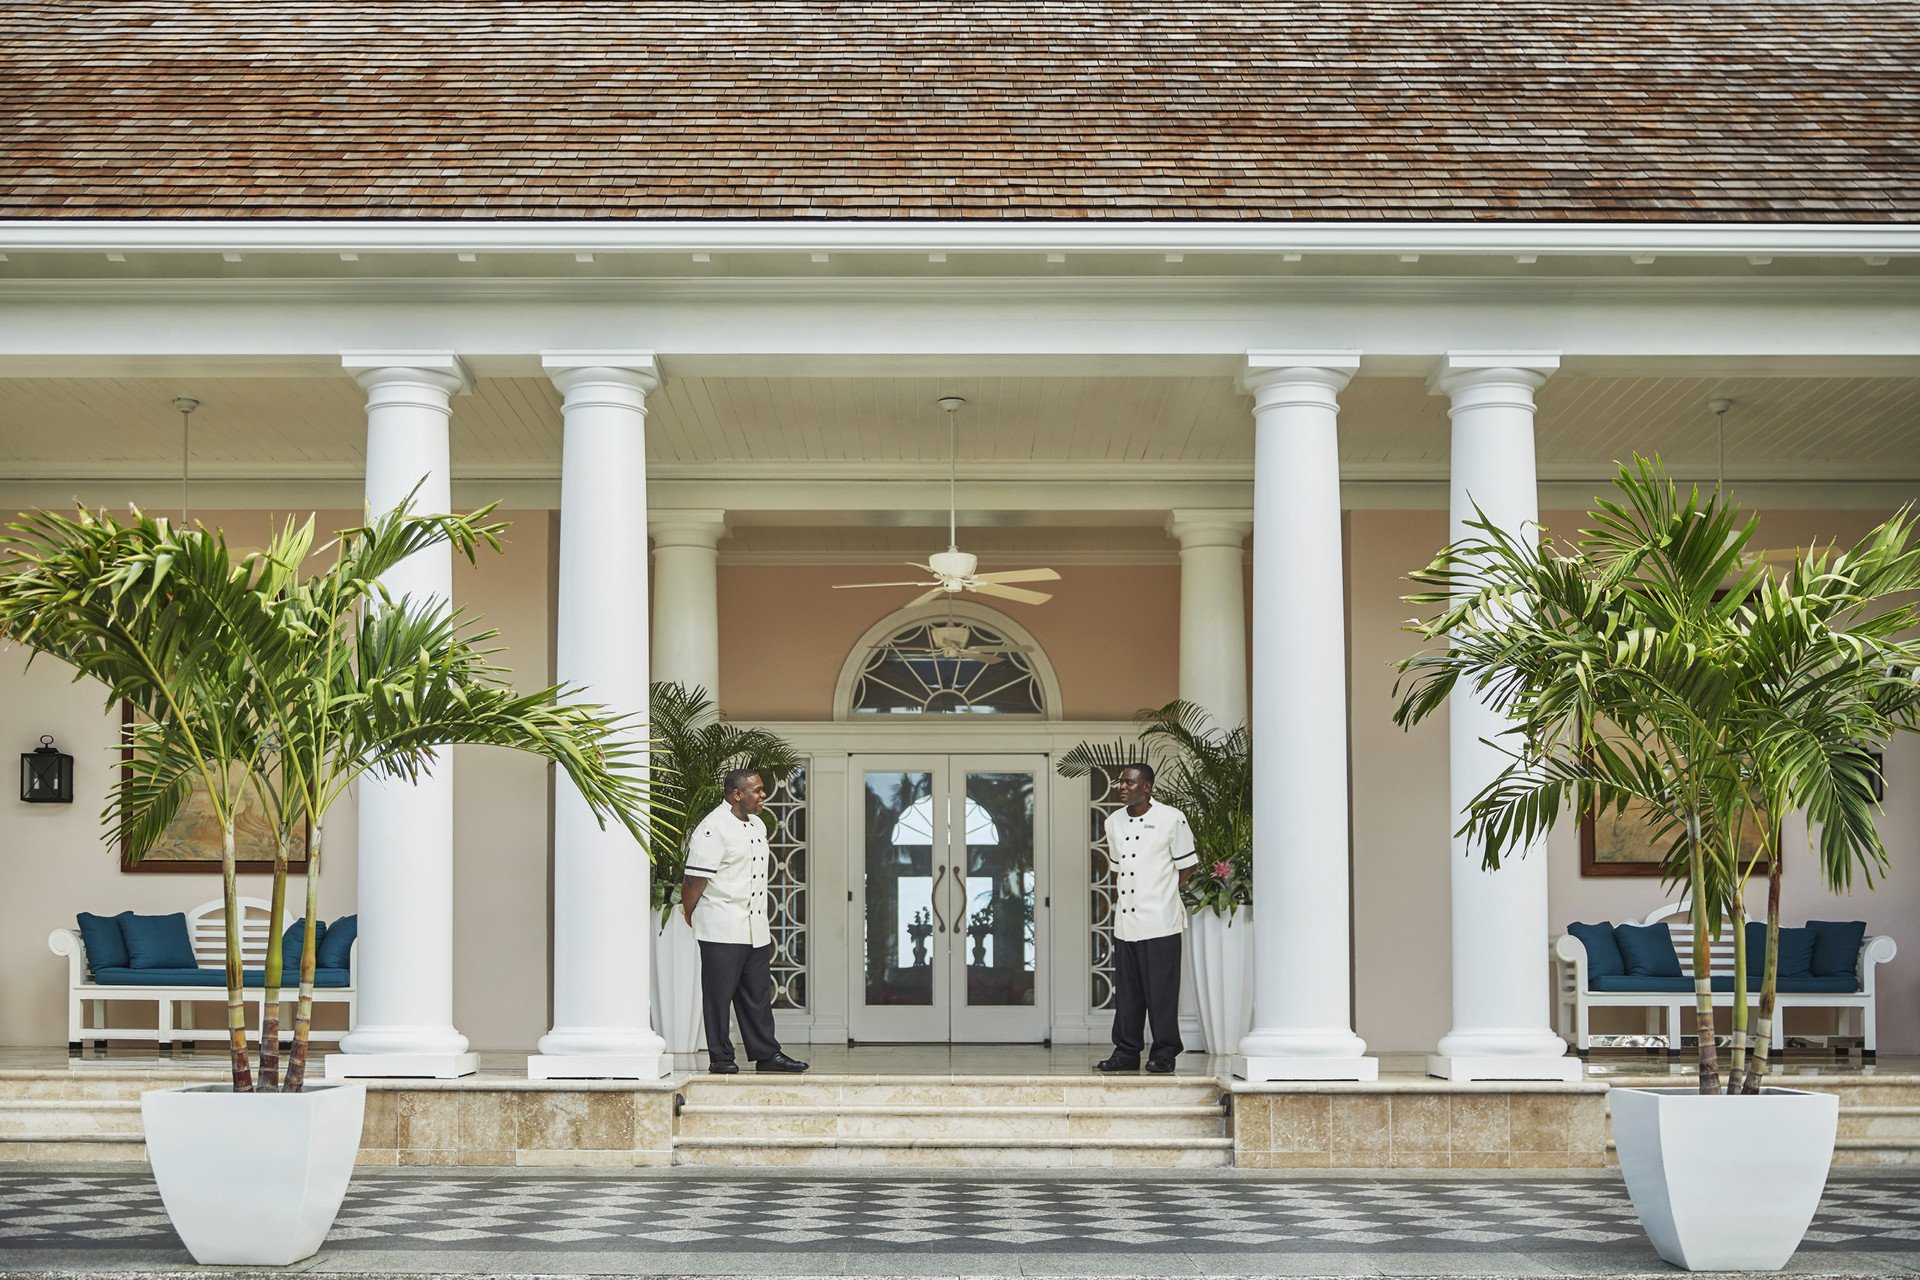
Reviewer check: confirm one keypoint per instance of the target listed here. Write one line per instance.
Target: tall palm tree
(250, 674)
(697, 748)
(1657, 660)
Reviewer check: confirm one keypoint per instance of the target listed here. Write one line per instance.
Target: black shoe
(1160, 1066)
(1117, 1063)
(781, 1062)
(723, 1068)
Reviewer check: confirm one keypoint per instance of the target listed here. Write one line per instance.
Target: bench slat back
(206, 926)
(1678, 918)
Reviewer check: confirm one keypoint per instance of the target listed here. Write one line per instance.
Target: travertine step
(955, 1122)
(47, 1120)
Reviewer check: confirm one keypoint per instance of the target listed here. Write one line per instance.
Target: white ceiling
(1781, 428)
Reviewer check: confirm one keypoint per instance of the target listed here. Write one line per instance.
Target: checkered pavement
(682, 1213)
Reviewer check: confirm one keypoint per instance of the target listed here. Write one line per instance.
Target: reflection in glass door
(947, 899)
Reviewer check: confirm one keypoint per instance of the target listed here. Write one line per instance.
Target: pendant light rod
(186, 405)
(952, 405)
(1720, 405)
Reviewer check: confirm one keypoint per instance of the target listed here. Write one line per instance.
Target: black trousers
(1147, 985)
(739, 977)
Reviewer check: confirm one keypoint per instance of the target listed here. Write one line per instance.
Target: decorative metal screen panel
(943, 667)
(787, 889)
(1105, 792)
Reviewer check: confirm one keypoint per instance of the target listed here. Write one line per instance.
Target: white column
(1502, 1012)
(1302, 1007)
(602, 980)
(405, 1025)
(1213, 611)
(686, 598)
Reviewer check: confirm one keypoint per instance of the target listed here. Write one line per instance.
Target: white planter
(1724, 1183)
(676, 987)
(253, 1179)
(1223, 977)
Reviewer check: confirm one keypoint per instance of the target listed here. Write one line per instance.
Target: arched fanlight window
(947, 663)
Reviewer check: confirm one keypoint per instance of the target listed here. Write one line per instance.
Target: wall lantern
(46, 775)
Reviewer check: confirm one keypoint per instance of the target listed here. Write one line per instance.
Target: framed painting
(191, 841)
(1622, 844)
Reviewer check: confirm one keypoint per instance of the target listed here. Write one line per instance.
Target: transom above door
(948, 874)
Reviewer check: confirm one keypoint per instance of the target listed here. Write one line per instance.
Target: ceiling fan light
(953, 563)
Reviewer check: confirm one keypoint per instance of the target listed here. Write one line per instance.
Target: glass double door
(949, 888)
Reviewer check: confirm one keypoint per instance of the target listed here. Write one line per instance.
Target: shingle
(1068, 109)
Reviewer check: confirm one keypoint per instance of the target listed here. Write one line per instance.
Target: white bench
(1574, 1000)
(173, 1017)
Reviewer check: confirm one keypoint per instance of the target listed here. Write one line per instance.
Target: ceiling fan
(951, 640)
(953, 570)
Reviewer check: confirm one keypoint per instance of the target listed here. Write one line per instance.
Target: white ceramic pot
(253, 1179)
(676, 987)
(1223, 977)
(1724, 1183)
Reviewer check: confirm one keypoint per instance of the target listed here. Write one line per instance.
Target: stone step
(1881, 1123)
(57, 1149)
(45, 1120)
(1114, 1123)
(923, 1091)
(956, 1153)
(100, 1083)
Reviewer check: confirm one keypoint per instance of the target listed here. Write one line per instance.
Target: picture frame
(192, 840)
(1621, 844)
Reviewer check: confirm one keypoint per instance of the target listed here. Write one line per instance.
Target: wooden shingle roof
(981, 109)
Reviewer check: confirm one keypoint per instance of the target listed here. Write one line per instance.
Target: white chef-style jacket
(731, 853)
(1147, 854)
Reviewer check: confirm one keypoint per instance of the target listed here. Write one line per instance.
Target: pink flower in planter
(1223, 870)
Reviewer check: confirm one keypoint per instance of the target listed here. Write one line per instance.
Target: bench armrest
(1570, 951)
(1876, 950)
(66, 942)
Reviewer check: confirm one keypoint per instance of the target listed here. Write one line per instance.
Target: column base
(1262, 1070)
(597, 1066)
(401, 1066)
(1568, 1070)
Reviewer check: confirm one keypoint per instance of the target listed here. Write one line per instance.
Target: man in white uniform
(1151, 851)
(724, 894)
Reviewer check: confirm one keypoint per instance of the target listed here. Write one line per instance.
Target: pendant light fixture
(186, 405)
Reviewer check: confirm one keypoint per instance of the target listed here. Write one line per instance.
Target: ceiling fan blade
(928, 598)
(852, 586)
(1010, 593)
(1018, 575)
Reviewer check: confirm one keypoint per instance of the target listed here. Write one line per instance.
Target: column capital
(1293, 377)
(637, 369)
(1210, 528)
(702, 528)
(1521, 371)
(443, 370)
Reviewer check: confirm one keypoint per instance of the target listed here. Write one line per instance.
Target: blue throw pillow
(336, 944)
(157, 942)
(106, 946)
(1648, 950)
(1603, 952)
(294, 939)
(1836, 947)
(1796, 951)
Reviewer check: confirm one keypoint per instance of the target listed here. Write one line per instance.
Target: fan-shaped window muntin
(908, 674)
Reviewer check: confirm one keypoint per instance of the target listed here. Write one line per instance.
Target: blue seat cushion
(215, 978)
(1603, 953)
(1648, 950)
(1809, 984)
(336, 944)
(157, 942)
(1624, 982)
(1796, 950)
(1836, 948)
(105, 945)
(294, 939)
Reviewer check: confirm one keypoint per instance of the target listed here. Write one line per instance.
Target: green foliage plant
(250, 672)
(1206, 772)
(697, 748)
(1658, 660)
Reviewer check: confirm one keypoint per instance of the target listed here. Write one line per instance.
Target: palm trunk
(236, 980)
(1702, 961)
(303, 1010)
(270, 996)
(1769, 981)
(1737, 916)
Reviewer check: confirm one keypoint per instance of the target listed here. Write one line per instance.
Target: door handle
(933, 896)
(960, 915)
